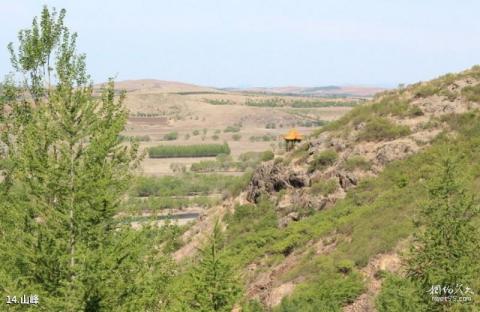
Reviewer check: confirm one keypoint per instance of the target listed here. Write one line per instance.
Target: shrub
(357, 162)
(196, 132)
(344, 266)
(271, 125)
(215, 137)
(328, 294)
(324, 187)
(199, 150)
(171, 136)
(399, 295)
(187, 136)
(472, 93)
(232, 129)
(378, 129)
(236, 137)
(323, 160)
(267, 155)
(415, 111)
(426, 90)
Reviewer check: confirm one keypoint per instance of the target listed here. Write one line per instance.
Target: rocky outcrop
(346, 179)
(395, 150)
(270, 178)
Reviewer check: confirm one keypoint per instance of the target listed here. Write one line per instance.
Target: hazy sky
(264, 42)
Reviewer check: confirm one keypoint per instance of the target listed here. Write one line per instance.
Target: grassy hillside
(336, 258)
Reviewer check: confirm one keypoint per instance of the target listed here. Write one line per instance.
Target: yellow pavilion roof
(293, 134)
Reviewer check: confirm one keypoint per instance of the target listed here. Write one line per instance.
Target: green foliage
(400, 295)
(236, 137)
(195, 132)
(328, 294)
(154, 203)
(232, 129)
(357, 162)
(378, 129)
(171, 136)
(446, 248)
(324, 187)
(253, 306)
(311, 123)
(219, 101)
(267, 155)
(272, 102)
(323, 160)
(387, 105)
(189, 184)
(426, 90)
(415, 111)
(139, 138)
(345, 266)
(214, 285)
(198, 150)
(263, 138)
(68, 171)
(472, 93)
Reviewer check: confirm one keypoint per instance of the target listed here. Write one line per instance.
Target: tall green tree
(214, 286)
(65, 172)
(446, 248)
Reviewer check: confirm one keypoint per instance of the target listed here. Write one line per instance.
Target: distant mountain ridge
(352, 91)
(163, 86)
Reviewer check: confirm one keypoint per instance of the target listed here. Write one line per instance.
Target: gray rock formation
(270, 178)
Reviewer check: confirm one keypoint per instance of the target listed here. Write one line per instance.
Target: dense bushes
(378, 129)
(398, 295)
(323, 160)
(168, 202)
(199, 150)
(189, 184)
(328, 294)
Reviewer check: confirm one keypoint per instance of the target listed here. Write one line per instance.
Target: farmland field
(164, 113)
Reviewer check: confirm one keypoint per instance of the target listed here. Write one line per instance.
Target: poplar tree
(65, 172)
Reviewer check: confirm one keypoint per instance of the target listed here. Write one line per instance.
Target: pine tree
(214, 286)
(65, 172)
(445, 251)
